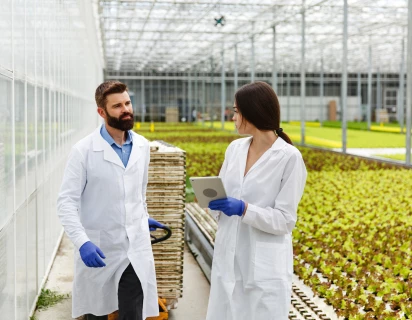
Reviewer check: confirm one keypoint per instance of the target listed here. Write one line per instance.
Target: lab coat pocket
(270, 261)
(94, 236)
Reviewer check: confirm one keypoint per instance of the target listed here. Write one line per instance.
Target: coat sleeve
(68, 202)
(282, 218)
(146, 179)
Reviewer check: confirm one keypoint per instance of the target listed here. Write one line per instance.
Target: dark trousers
(130, 296)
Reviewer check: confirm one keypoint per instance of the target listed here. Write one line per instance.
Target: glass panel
(41, 264)
(59, 128)
(40, 136)
(39, 30)
(30, 36)
(21, 263)
(18, 37)
(20, 143)
(48, 211)
(5, 34)
(7, 287)
(47, 130)
(31, 139)
(31, 252)
(6, 156)
(53, 124)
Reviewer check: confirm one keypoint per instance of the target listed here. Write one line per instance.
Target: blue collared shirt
(123, 151)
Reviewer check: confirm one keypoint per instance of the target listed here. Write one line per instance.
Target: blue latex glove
(153, 224)
(90, 253)
(229, 206)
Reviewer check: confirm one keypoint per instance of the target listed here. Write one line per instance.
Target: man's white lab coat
(102, 201)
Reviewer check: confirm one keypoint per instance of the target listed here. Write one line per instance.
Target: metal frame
(174, 36)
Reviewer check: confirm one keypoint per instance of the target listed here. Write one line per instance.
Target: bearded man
(102, 207)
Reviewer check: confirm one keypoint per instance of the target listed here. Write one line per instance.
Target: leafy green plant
(352, 237)
(49, 298)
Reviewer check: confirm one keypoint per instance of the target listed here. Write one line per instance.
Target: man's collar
(105, 134)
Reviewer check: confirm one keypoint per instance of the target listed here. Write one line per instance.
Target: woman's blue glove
(153, 224)
(90, 253)
(229, 206)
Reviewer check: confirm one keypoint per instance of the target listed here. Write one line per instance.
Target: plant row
(352, 241)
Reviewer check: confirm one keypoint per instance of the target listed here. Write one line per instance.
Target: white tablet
(207, 189)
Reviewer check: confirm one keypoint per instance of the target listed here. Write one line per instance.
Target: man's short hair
(106, 88)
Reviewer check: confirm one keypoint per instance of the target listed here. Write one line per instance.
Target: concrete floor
(192, 306)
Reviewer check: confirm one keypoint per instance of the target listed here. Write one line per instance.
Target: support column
(189, 97)
(159, 100)
(175, 94)
(184, 100)
(378, 91)
(321, 93)
(236, 85)
(252, 59)
(223, 91)
(274, 67)
(368, 115)
(196, 95)
(151, 98)
(212, 93)
(409, 86)
(344, 74)
(167, 92)
(288, 95)
(401, 95)
(142, 97)
(302, 80)
(203, 97)
(359, 97)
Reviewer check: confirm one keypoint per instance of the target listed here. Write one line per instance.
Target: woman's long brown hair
(258, 104)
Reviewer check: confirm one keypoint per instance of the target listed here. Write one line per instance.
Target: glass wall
(50, 65)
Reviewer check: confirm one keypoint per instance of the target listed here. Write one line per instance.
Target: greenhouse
(341, 71)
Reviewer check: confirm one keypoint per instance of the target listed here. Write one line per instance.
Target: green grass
(328, 137)
(49, 298)
(355, 138)
(356, 125)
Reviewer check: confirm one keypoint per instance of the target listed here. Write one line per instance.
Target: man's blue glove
(90, 255)
(153, 224)
(229, 206)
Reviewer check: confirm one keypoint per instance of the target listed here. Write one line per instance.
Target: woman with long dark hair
(264, 177)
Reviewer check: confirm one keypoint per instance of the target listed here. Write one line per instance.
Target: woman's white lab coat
(253, 259)
(102, 201)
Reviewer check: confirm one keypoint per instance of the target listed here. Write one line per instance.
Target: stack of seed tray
(165, 199)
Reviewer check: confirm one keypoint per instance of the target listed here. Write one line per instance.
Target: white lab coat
(102, 201)
(253, 259)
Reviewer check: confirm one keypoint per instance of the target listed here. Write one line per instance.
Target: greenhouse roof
(181, 35)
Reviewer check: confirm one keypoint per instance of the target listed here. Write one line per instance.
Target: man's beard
(121, 123)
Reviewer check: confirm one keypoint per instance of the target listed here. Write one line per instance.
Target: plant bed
(352, 241)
